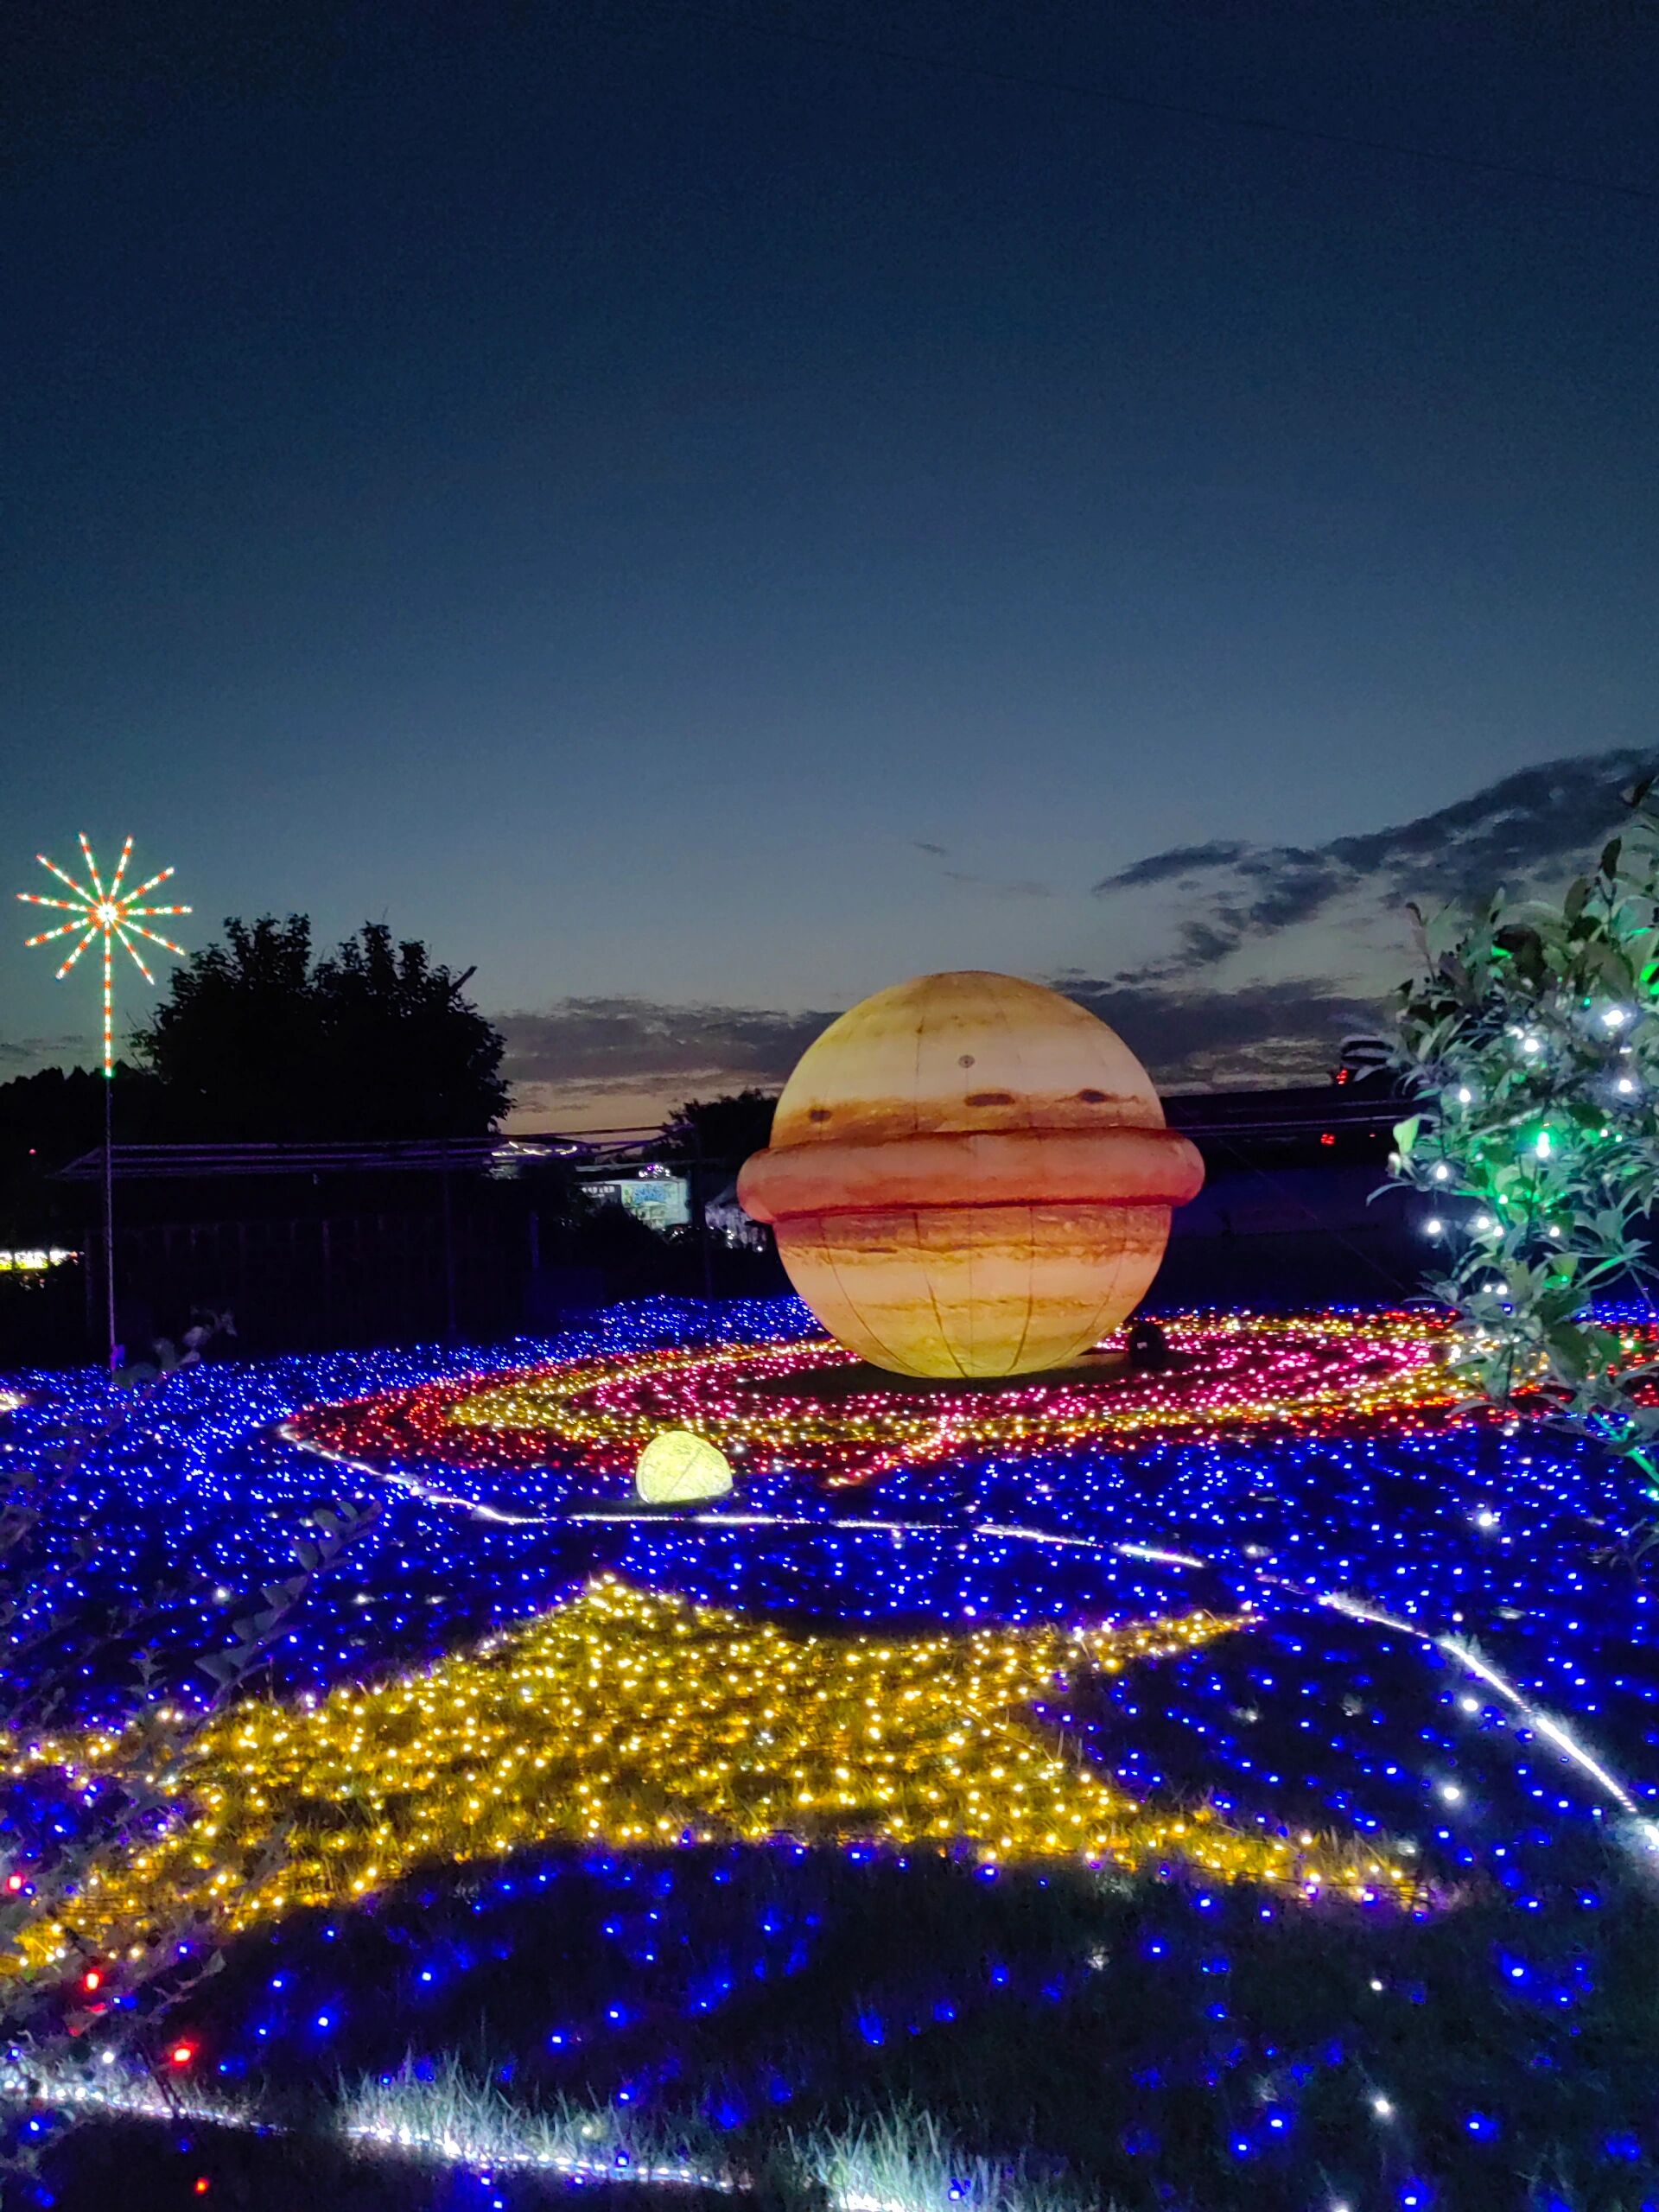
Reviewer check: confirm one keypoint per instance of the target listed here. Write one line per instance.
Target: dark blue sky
(600, 484)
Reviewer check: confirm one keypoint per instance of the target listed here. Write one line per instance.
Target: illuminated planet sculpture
(678, 1467)
(970, 1175)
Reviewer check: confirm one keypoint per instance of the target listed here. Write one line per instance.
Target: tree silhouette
(725, 1130)
(256, 1041)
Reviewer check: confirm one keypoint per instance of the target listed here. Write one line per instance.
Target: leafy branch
(1531, 1039)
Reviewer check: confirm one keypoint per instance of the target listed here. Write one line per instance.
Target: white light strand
(1542, 1723)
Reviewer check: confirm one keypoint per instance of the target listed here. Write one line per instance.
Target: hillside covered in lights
(1231, 1782)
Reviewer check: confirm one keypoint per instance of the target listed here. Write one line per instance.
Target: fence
(303, 1282)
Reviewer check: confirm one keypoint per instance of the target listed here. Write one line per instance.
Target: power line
(1142, 104)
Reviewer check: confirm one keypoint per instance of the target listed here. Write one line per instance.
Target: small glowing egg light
(678, 1467)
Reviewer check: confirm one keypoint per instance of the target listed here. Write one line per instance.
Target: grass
(902, 2161)
(451, 2117)
(896, 2160)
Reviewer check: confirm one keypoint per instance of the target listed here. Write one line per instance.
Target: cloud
(633, 1056)
(1260, 1036)
(1515, 834)
(583, 1052)
(27, 1055)
(1165, 868)
(1273, 954)
(1001, 887)
(994, 886)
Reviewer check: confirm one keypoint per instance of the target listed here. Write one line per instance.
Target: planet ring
(978, 1168)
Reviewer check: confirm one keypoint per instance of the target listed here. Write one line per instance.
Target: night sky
(703, 516)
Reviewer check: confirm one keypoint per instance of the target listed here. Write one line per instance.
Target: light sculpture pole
(116, 916)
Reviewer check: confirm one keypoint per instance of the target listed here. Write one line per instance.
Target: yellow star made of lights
(631, 1719)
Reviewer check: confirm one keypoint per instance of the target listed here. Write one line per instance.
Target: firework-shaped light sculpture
(109, 912)
(118, 916)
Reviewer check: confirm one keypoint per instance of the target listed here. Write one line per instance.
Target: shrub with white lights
(1532, 1035)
